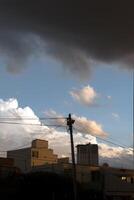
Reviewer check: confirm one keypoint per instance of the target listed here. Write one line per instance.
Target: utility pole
(133, 113)
(70, 123)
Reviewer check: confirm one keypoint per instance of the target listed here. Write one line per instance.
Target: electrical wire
(31, 118)
(108, 141)
(19, 123)
(124, 147)
(28, 144)
(56, 126)
(19, 147)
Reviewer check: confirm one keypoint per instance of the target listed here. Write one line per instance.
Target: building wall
(6, 162)
(94, 155)
(36, 155)
(118, 182)
(63, 160)
(8, 171)
(87, 154)
(108, 181)
(22, 158)
(40, 144)
(42, 156)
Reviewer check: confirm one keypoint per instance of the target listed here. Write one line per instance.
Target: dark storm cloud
(77, 33)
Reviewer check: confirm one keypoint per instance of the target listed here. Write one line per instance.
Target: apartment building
(87, 154)
(36, 155)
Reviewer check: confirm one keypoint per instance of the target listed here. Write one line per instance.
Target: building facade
(107, 182)
(64, 160)
(7, 168)
(36, 155)
(87, 154)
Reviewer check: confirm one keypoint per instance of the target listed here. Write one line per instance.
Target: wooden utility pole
(133, 113)
(70, 123)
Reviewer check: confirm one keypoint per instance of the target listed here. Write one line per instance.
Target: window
(124, 178)
(128, 179)
(132, 179)
(95, 175)
(35, 154)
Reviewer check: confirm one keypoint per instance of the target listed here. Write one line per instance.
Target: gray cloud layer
(75, 33)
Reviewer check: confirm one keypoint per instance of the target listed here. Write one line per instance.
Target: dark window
(95, 175)
(132, 179)
(35, 154)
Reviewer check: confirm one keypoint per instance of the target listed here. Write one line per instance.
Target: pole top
(70, 121)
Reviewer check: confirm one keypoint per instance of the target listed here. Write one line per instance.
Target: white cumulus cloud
(85, 125)
(86, 96)
(82, 124)
(19, 126)
(116, 156)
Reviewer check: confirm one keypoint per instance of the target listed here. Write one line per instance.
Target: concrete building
(87, 154)
(118, 183)
(36, 155)
(7, 167)
(64, 160)
(108, 182)
(6, 162)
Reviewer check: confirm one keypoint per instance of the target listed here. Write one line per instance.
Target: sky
(49, 90)
(44, 86)
(57, 58)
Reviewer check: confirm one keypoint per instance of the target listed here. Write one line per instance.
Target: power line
(10, 120)
(108, 141)
(55, 125)
(50, 125)
(128, 159)
(63, 126)
(19, 123)
(121, 145)
(19, 147)
(31, 118)
(28, 144)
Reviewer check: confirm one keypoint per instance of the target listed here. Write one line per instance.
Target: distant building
(36, 155)
(63, 160)
(6, 162)
(7, 167)
(87, 154)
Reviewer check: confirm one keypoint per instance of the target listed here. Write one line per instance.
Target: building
(6, 162)
(87, 154)
(36, 155)
(7, 167)
(118, 183)
(63, 160)
(107, 182)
